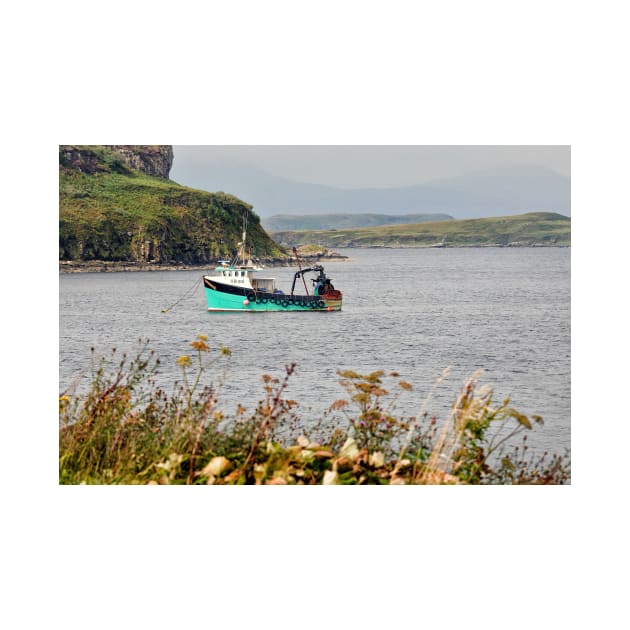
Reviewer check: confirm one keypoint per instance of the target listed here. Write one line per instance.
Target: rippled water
(415, 311)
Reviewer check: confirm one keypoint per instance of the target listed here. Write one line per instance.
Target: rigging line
(194, 286)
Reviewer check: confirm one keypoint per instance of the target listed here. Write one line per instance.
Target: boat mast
(244, 237)
(240, 254)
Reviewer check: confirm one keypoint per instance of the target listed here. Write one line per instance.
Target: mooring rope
(194, 286)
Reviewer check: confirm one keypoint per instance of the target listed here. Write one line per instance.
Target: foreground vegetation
(535, 228)
(127, 430)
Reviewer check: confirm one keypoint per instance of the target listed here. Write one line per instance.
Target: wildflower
(203, 337)
(377, 459)
(184, 361)
(200, 345)
(216, 466)
(349, 449)
(338, 404)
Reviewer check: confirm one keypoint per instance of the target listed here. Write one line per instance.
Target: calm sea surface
(414, 311)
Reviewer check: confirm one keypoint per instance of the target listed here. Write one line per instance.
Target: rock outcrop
(152, 160)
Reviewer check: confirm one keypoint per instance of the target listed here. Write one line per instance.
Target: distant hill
(530, 229)
(492, 192)
(116, 203)
(283, 222)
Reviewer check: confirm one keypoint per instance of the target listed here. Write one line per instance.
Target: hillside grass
(119, 214)
(536, 228)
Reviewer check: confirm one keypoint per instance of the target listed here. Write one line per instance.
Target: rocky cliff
(152, 160)
(155, 161)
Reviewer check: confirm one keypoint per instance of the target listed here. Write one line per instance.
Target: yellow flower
(200, 345)
(203, 337)
(184, 360)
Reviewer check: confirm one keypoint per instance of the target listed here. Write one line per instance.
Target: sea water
(505, 311)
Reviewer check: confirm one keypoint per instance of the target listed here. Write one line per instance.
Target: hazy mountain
(492, 192)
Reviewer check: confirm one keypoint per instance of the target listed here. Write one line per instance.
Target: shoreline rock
(108, 266)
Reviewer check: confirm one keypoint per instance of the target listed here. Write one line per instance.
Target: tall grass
(125, 429)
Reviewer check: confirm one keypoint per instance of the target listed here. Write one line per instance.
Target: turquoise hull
(256, 302)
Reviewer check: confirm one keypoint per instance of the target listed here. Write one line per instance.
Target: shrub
(126, 429)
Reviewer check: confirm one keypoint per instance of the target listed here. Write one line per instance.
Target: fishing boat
(238, 285)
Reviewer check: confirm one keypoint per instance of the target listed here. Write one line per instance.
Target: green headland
(524, 230)
(116, 203)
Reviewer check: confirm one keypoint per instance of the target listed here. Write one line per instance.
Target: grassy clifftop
(110, 211)
(536, 228)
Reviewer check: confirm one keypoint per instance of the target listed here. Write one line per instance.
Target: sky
(359, 166)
